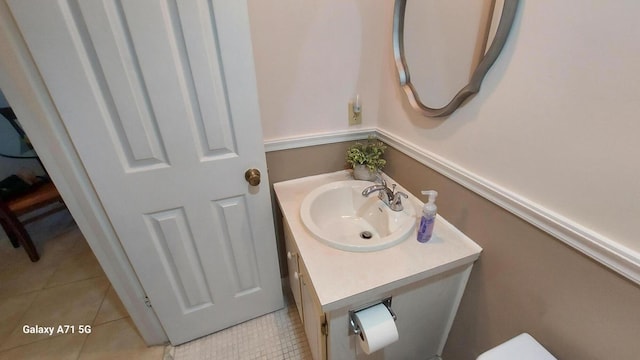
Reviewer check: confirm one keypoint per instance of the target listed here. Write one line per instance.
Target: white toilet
(521, 347)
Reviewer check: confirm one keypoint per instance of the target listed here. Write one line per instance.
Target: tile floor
(279, 335)
(66, 287)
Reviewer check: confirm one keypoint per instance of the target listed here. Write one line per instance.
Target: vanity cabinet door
(292, 265)
(313, 316)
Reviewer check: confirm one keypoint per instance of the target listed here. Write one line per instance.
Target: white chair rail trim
(597, 246)
(317, 139)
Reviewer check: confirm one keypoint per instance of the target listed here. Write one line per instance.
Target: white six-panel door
(160, 101)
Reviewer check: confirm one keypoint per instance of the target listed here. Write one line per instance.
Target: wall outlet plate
(354, 119)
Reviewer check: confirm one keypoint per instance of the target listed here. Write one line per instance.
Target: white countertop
(341, 278)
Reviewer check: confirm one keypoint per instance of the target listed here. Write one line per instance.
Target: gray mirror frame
(504, 27)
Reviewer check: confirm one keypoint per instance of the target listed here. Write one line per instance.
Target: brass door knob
(252, 176)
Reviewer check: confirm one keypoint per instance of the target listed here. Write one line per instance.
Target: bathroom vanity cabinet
(424, 281)
(311, 314)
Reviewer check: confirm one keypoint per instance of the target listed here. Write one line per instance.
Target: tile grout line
(109, 321)
(51, 337)
(75, 281)
(65, 264)
(24, 313)
(84, 342)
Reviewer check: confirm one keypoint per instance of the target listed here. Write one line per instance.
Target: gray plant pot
(360, 172)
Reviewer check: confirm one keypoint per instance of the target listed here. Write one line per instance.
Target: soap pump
(428, 216)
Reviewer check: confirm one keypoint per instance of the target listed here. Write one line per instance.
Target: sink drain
(366, 235)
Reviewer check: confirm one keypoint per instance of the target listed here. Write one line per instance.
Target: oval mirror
(449, 45)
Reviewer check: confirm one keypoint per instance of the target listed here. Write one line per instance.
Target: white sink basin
(339, 216)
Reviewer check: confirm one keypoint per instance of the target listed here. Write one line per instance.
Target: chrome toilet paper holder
(354, 328)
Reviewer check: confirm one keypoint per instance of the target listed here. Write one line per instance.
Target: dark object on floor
(38, 196)
(12, 186)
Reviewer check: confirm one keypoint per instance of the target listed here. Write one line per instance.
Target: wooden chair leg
(10, 235)
(14, 241)
(16, 228)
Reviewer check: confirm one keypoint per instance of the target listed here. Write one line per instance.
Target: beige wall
(556, 119)
(555, 123)
(311, 58)
(525, 280)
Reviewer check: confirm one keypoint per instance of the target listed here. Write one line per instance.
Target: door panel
(233, 218)
(174, 243)
(160, 101)
(138, 135)
(215, 135)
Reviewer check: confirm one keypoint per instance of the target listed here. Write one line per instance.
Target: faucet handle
(401, 194)
(396, 203)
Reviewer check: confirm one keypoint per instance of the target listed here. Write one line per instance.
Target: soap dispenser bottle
(428, 217)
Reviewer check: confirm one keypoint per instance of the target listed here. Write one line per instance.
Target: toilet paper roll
(378, 329)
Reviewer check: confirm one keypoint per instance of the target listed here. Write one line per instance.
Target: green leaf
(368, 154)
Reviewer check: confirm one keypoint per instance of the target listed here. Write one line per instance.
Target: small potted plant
(366, 158)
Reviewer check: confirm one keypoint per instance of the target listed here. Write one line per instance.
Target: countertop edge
(293, 218)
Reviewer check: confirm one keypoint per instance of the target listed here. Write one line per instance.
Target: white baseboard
(602, 249)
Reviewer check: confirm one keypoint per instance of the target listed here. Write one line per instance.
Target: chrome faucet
(389, 197)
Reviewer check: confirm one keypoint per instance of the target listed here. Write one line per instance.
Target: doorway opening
(66, 288)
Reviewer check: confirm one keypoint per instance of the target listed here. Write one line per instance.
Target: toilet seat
(521, 347)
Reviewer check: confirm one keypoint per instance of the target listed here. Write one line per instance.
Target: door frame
(24, 88)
